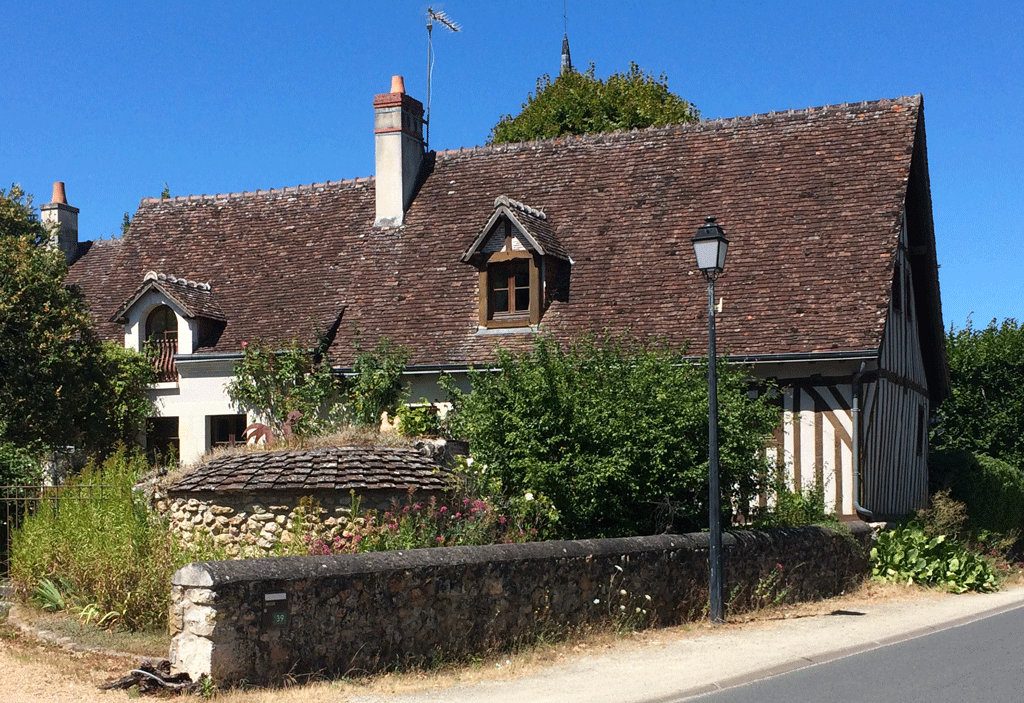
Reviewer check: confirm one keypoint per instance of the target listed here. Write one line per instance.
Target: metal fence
(19, 502)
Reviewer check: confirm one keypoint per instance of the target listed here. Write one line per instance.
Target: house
(830, 289)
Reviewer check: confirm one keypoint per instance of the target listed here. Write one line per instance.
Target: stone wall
(252, 523)
(258, 620)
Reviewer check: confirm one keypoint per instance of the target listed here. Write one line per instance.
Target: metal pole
(715, 610)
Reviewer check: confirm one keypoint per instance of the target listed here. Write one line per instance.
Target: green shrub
(992, 490)
(96, 543)
(418, 420)
(909, 554)
(614, 432)
(475, 514)
(793, 508)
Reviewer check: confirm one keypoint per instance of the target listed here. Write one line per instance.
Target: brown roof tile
(335, 469)
(812, 202)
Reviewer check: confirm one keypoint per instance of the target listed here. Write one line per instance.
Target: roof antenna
(452, 26)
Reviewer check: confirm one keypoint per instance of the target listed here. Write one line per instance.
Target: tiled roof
(527, 221)
(812, 201)
(194, 299)
(334, 469)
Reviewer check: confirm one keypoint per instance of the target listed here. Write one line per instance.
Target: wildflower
(622, 607)
(469, 461)
(638, 611)
(529, 496)
(444, 509)
(622, 592)
(597, 601)
(647, 597)
(439, 539)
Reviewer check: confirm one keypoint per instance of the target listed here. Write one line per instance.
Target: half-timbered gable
(830, 289)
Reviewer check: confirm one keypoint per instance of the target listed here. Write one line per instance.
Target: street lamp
(710, 244)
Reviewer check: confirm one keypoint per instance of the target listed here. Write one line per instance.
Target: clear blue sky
(117, 99)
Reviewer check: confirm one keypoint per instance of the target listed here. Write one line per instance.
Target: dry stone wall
(253, 524)
(260, 619)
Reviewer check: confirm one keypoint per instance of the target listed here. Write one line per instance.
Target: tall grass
(108, 553)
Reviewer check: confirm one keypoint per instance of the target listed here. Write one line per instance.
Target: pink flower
(444, 509)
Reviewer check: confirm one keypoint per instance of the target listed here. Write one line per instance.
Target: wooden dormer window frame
(507, 300)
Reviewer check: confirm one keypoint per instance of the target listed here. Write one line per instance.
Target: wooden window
(162, 339)
(162, 323)
(162, 438)
(509, 283)
(226, 430)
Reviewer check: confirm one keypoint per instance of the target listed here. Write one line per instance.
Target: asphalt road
(979, 661)
(957, 648)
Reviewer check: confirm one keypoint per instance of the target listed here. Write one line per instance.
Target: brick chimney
(398, 137)
(62, 219)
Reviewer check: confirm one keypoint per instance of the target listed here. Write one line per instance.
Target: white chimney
(62, 221)
(398, 137)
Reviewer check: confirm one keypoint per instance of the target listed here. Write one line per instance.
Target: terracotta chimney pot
(397, 84)
(58, 193)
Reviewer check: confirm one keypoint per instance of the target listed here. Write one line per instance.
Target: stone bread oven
(246, 502)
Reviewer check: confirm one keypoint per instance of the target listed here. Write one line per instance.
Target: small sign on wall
(275, 611)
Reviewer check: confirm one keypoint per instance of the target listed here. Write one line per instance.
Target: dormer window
(522, 266)
(170, 315)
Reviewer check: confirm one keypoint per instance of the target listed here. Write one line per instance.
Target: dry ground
(32, 671)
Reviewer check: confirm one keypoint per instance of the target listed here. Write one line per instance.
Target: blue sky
(117, 99)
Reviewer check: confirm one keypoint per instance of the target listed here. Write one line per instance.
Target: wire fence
(19, 502)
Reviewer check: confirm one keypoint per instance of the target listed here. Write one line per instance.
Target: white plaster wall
(199, 393)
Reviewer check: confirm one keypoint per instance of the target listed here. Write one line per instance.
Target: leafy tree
(613, 433)
(59, 385)
(580, 103)
(985, 412)
(18, 217)
(376, 385)
(270, 383)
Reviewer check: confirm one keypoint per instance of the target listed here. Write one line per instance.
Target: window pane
(522, 275)
(499, 300)
(522, 299)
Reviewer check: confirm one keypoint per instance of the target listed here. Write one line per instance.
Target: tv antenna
(451, 25)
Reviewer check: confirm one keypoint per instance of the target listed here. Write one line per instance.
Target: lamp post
(710, 244)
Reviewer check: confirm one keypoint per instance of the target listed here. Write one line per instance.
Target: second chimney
(398, 138)
(62, 219)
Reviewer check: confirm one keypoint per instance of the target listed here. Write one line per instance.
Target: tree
(580, 103)
(985, 411)
(614, 433)
(269, 383)
(59, 385)
(18, 218)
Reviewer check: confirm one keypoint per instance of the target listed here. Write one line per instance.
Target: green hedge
(992, 490)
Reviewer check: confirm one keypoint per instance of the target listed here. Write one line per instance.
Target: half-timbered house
(830, 288)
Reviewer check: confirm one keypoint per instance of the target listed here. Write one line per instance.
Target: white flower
(596, 601)
(647, 597)
(622, 592)
(529, 496)
(622, 607)
(469, 461)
